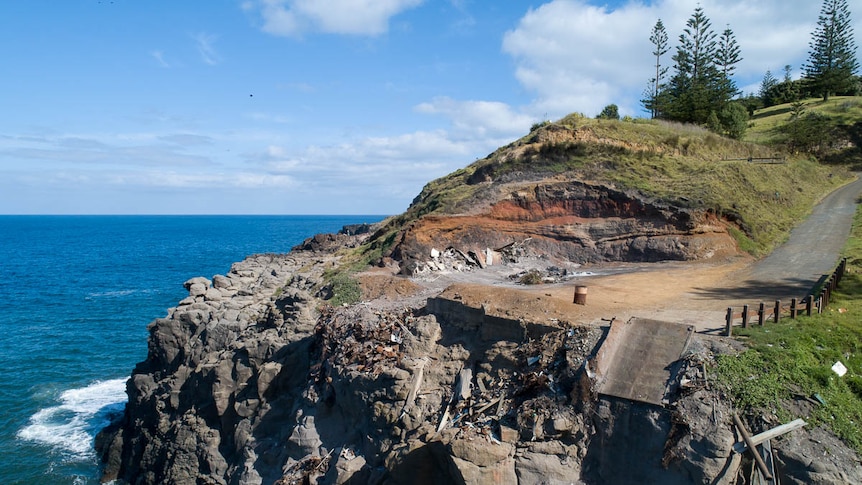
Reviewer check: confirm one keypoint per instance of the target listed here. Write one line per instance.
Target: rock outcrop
(251, 380)
(571, 221)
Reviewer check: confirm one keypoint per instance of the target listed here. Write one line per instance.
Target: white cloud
(479, 119)
(159, 56)
(97, 151)
(575, 56)
(206, 48)
(392, 167)
(242, 180)
(354, 17)
(186, 139)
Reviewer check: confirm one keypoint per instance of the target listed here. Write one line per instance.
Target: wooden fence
(775, 312)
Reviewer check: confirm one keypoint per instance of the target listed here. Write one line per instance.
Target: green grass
(842, 110)
(345, 288)
(794, 358)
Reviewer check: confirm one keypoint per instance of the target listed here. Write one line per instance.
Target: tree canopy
(702, 86)
(832, 63)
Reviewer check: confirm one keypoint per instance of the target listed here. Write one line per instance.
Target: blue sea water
(76, 295)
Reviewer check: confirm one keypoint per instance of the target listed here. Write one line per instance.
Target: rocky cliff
(255, 379)
(246, 382)
(250, 381)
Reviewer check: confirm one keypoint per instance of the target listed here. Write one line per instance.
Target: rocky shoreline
(253, 379)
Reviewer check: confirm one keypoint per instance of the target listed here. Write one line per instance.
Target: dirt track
(696, 293)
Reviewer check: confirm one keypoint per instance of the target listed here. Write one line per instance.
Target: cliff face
(222, 368)
(251, 381)
(246, 383)
(574, 222)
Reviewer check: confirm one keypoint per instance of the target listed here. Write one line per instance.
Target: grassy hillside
(766, 123)
(680, 164)
(828, 131)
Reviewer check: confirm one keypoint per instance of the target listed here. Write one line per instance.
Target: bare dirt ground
(695, 293)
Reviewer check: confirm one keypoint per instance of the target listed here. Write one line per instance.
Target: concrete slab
(636, 359)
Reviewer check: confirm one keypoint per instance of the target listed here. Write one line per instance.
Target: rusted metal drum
(580, 295)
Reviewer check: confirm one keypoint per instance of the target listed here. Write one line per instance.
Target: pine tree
(656, 85)
(766, 86)
(832, 60)
(788, 73)
(694, 88)
(727, 55)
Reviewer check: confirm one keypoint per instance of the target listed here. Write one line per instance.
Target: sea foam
(71, 426)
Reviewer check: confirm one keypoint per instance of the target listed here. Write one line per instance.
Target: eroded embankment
(573, 222)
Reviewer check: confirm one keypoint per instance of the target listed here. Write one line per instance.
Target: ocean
(76, 295)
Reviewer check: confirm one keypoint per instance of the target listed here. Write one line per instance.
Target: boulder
(220, 281)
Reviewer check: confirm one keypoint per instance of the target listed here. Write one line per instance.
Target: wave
(71, 426)
(118, 293)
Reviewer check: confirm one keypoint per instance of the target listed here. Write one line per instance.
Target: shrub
(344, 290)
(734, 120)
(538, 125)
(610, 112)
(808, 133)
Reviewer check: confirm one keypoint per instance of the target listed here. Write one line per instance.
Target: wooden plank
(757, 477)
(758, 460)
(639, 357)
(773, 433)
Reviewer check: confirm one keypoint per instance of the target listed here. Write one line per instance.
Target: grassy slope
(843, 110)
(794, 359)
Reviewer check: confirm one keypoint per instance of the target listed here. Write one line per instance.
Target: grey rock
(221, 282)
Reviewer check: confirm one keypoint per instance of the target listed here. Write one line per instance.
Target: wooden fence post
(728, 331)
(761, 313)
(793, 309)
(839, 273)
(808, 304)
(820, 302)
(777, 314)
(744, 316)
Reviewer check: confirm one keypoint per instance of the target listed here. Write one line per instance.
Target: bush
(809, 133)
(538, 125)
(344, 290)
(734, 120)
(611, 112)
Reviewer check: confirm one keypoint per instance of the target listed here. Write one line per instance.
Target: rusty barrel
(580, 295)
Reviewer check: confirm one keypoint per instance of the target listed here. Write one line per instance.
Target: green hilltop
(763, 184)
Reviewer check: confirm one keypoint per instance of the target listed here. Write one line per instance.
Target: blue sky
(318, 106)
